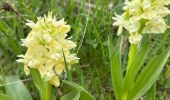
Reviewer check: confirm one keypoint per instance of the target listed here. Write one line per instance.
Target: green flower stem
(132, 52)
(131, 55)
(43, 86)
(47, 95)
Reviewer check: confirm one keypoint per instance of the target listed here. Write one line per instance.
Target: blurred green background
(91, 24)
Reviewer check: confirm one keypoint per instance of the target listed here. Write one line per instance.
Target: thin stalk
(43, 86)
(67, 69)
(46, 95)
(48, 91)
(132, 53)
(152, 94)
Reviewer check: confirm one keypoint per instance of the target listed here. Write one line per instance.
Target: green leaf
(168, 72)
(43, 87)
(71, 86)
(38, 81)
(86, 96)
(137, 62)
(18, 90)
(75, 95)
(115, 63)
(5, 97)
(149, 75)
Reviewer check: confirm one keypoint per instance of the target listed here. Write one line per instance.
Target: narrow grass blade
(5, 29)
(152, 92)
(67, 69)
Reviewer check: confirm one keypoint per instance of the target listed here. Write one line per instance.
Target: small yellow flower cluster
(46, 43)
(142, 16)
